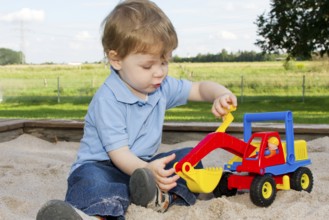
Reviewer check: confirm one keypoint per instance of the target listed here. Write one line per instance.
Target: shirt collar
(123, 94)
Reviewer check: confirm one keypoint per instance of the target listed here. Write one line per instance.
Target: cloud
(247, 36)
(25, 14)
(226, 35)
(230, 7)
(83, 36)
(82, 40)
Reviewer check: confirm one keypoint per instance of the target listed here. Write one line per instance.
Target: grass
(31, 91)
(307, 112)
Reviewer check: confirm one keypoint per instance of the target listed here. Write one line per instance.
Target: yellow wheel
(263, 190)
(305, 181)
(302, 179)
(267, 190)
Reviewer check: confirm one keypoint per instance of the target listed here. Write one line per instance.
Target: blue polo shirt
(117, 118)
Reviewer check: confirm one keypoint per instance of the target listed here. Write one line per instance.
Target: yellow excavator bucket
(205, 180)
(200, 180)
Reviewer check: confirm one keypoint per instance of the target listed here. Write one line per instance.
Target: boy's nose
(159, 72)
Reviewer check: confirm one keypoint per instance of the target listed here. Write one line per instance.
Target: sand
(33, 171)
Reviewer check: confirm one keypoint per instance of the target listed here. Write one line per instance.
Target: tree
(297, 27)
(8, 56)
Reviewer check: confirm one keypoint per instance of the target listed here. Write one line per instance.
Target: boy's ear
(114, 59)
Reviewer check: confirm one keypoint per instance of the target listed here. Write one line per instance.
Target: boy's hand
(163, 178)
(222, 103)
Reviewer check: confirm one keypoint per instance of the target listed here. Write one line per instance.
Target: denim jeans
(100, 188)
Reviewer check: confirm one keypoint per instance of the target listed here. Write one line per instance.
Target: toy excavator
(253, 167)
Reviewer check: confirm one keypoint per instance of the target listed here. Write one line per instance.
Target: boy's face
(143, 73)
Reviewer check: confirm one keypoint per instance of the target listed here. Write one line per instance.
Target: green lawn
(32, 91)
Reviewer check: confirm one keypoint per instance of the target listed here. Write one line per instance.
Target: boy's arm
(128, 162)
(208, 91)
(125, 160)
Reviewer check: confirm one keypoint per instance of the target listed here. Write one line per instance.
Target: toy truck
(253, 168)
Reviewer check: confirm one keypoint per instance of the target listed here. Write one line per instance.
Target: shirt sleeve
(110, 123)
(176, 91)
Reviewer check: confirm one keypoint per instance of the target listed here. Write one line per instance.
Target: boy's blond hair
(138, 26)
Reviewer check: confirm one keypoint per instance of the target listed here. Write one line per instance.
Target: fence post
(241, 89)
(58, 91)
(303, 86)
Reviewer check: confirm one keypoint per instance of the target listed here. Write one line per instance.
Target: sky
(70, 31)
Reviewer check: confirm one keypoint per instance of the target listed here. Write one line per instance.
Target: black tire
(263, 190)
(302, 179)
(222, 187)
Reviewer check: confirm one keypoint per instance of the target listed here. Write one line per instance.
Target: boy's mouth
(157, 85)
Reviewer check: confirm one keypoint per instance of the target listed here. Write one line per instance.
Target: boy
(117, 162)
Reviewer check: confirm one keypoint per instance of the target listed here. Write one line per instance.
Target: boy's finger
(167, 187)
(168, 158)
(168, 172)
(233, 100)
(169, 182)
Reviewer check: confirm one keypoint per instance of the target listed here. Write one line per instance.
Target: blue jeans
(100, 188)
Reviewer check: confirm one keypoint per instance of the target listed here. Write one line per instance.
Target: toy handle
(227, 120)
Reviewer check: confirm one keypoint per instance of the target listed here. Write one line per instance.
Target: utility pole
(22, 45)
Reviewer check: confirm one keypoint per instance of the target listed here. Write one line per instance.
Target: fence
(266, 79)
(302, 88)
(66, 90)
(58, 84)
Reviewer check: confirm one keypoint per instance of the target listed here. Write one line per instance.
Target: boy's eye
(147, 67)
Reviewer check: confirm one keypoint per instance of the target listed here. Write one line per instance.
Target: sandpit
(33, 171)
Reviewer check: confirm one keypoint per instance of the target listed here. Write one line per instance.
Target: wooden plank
(199, 126)
(11, 124)
(54, 124)
(238, 127)
(72, 130)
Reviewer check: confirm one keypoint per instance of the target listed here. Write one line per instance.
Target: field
(62, 91)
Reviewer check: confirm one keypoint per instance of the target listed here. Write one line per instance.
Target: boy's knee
(186, 150)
